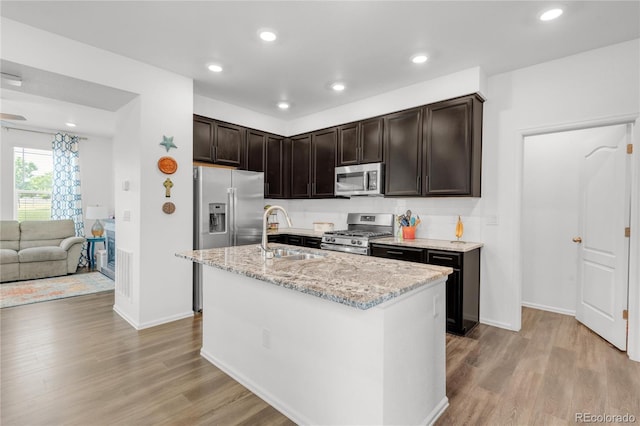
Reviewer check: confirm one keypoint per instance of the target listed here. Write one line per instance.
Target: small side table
(91, 246)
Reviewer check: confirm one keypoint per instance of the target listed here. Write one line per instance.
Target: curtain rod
(81, 138)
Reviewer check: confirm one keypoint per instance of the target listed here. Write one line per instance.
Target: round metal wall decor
(168, 207)
(167, 165)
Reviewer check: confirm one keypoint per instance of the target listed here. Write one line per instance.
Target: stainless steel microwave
(361, 179)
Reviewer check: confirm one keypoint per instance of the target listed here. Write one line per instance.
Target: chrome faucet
(267, 253)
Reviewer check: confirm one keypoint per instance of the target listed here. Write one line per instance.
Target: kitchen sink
(289, 254)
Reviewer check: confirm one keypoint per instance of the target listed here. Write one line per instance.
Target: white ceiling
(366, 45)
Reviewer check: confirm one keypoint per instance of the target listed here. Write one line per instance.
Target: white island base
(323, 363)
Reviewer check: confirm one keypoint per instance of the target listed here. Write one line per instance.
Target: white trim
(499, 324)
(549, 308)
(435, 414)
(125, 317)
(581, 125)
(153, 323)
(633, 339)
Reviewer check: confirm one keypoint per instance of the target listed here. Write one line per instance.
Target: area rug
(33, 291)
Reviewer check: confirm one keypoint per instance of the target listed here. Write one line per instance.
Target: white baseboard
(165, 320)
(436, 412)
(499, 324)
(149, 324)
(292, 414)
(125, 317)
(549, 308)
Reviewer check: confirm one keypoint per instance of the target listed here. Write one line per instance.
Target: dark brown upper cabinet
(301, 166)
(218, 142)
(323, 163)
(276, 167)
(360, 142)
(202, 134)
(256, 145)
(403, 152)
(313, 162)
(266, 153)
(453, 147)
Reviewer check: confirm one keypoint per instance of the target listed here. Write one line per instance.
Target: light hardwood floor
(74, 361)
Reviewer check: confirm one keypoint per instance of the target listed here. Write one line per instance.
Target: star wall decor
(167, 142)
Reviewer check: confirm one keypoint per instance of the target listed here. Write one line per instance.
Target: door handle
(577, 240)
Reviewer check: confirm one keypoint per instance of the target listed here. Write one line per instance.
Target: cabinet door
(323, 160)
(295, 240)
(274, 169)
(402, 152)
(301, 166)
(202, 132)
(255, 151)
(452, 160)
(313, 242)
(371, 140)
(408, 254)
(348, 146)
(454, 303)
(228, 140)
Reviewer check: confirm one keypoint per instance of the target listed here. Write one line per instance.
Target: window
(33, 171)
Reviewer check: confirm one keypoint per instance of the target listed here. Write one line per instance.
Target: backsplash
(439, 216)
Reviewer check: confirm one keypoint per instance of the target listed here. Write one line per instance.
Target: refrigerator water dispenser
(217, 217)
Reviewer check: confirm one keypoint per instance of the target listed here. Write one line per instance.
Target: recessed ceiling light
(283, 105)
(70, 124)
(338, 87)
(268, 35)
(215, 68)
(551, 14)
(419, 59)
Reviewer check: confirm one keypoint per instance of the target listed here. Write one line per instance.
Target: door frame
(633, 339)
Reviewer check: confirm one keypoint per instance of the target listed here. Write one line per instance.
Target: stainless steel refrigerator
(228, 208)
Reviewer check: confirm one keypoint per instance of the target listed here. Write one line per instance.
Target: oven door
(345, 249)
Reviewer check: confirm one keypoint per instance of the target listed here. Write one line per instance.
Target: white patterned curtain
(66, 198)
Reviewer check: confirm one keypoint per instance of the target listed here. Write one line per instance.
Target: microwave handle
(365, 176)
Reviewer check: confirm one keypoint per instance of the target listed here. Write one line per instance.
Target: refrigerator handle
(231, 199)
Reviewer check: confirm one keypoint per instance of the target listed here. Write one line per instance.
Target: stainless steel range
(361, 228)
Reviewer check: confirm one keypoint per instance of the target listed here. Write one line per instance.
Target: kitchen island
(333, 339)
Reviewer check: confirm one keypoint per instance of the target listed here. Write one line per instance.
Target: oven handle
(345, 249)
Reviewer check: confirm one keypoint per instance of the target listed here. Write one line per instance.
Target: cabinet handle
(394, 252)
(442, 258)
(417, 182)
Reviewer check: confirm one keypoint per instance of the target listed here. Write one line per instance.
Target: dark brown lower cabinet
(463, 285)
(296, 240)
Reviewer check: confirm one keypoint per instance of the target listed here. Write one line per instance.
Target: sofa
(38, 249)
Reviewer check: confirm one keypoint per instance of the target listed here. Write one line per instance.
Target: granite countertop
(357, 281)
(445, 245)
(296, 231)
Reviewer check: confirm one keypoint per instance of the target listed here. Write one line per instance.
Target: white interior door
(603, 249)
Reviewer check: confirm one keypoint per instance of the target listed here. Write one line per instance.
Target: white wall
(576, 90)
(550, 213)
(96, 169)
(457, 84)
(161, 283)
(223, 111)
